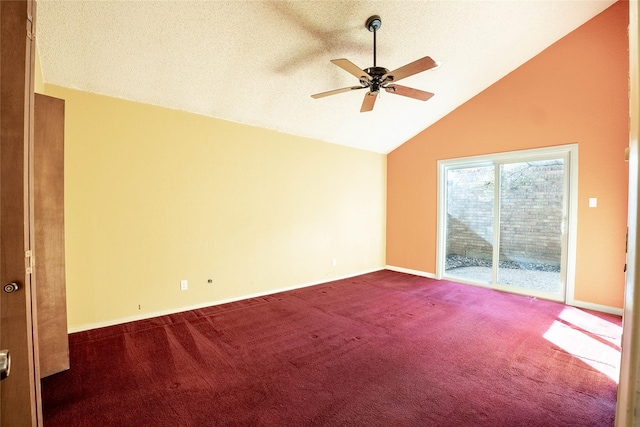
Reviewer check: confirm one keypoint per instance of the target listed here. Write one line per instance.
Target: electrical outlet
(183, 285)
(334, 262)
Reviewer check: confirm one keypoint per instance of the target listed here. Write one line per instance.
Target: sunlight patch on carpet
(593, 340)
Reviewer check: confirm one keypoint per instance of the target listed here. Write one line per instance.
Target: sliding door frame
(569, 153)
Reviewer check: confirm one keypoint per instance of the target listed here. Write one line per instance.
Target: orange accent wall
(575, 91)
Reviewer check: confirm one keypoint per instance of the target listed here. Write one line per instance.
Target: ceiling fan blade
(369, 101)
(410, 69)
(352, 68)
(336, 91)
(409, 92)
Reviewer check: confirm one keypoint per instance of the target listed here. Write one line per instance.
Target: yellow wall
(576, 91)
(154, 196)
(38, 79)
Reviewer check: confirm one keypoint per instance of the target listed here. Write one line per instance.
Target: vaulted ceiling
(259, 62)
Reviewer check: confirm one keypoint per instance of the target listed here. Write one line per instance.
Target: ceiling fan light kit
(377, 78)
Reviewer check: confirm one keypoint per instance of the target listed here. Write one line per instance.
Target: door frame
(20, 400)
(628, 399)
(570, 153)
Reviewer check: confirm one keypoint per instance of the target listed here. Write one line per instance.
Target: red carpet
(382, 349)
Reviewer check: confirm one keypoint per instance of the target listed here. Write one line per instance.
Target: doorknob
(10, 287)
(5, 364)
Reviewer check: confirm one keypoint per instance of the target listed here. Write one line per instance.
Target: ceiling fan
(376, 78)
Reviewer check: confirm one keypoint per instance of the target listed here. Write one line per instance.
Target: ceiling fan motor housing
(377, 74)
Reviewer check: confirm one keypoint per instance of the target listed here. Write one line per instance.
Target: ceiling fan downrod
(373, 24)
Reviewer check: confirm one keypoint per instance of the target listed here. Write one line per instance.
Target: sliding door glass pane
(469, 242)
(531, 206)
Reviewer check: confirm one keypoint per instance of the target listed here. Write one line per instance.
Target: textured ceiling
(258, 62)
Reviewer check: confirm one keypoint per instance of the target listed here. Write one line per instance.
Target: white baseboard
(409, 271)
(574, 303)
(596, 307)
(89, 326)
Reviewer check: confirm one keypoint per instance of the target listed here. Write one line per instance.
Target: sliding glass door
(469, 231)
(531, 199)
(504, 221)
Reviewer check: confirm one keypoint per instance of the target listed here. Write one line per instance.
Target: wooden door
(48, 209)
(20, 391)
